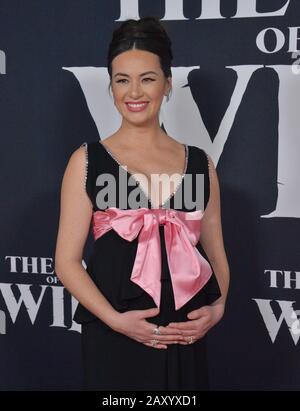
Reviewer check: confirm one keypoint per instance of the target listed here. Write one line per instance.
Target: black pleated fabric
(111, 360)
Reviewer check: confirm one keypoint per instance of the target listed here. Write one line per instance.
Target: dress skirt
(113, 361)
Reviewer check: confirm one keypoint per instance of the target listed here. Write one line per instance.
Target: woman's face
(138, 78)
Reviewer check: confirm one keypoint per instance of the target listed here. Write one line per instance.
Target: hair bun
(147, 34)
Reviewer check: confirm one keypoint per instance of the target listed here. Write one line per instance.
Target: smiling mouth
(137, 106)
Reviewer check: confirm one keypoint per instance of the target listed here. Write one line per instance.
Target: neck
(145, 135)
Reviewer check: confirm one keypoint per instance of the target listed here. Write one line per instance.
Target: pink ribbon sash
(189, 270)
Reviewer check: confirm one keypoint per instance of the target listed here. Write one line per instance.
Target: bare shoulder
(211, 165)
(77, 162)
(78, 154)
(73, 184)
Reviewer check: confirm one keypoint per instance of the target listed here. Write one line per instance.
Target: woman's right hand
(134, 325)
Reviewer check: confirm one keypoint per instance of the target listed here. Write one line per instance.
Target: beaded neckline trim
(186, 160)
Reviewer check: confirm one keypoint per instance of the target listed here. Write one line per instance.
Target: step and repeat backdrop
(236, 88)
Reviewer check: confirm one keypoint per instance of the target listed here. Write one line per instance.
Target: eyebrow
(126, 75)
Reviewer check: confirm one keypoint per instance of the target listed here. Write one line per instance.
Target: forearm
(221, 269)
(78, 282)
(213, 245)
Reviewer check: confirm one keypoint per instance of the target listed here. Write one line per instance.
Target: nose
(135, 89)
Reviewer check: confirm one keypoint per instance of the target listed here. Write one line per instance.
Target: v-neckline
(153, 206)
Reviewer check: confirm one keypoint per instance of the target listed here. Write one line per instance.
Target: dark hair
(146, 34)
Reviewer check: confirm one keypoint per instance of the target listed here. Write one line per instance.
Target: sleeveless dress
(111, 360)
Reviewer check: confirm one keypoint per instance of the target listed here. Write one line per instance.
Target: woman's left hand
(202, 320)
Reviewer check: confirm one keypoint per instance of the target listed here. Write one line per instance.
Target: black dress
(111, 360)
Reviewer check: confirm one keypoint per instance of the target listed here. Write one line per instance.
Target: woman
(149, 295)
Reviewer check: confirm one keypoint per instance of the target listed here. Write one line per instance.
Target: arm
(211, 237)
(75, 217)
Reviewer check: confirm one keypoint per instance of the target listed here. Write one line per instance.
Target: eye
(149, 78)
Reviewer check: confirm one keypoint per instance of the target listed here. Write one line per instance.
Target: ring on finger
(191, 339)
(156, 330)
(154, 342)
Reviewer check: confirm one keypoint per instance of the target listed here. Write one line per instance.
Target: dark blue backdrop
(246, 95)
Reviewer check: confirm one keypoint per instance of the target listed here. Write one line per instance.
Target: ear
(168, 85)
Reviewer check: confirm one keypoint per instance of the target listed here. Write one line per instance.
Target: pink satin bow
(189, 270)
